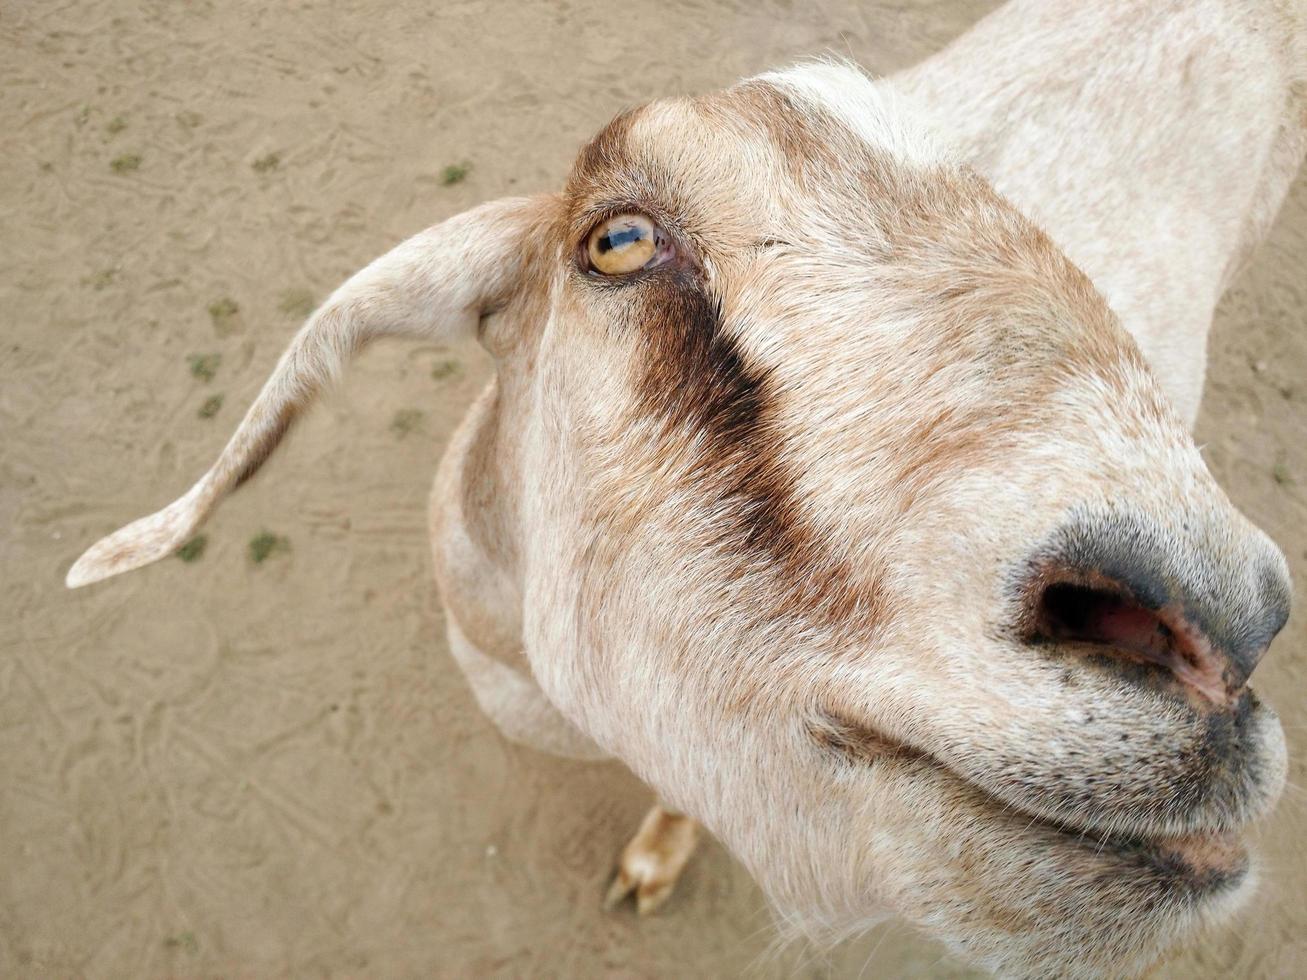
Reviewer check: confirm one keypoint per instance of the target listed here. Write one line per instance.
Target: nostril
(1078, 612)
(1201, 602)
(1112, 621)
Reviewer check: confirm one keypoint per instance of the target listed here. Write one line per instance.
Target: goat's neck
(1153, 141)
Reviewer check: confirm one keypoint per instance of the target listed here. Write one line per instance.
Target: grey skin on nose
(1201, 601)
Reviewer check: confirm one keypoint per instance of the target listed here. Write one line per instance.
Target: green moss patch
(102, 279)
(406, 420)
(126, 163)
(223, 312)
(211, 407)
(183, 940)
(446, 369)
(455, 173)
(204, 366)
(265, 544)
(193, 549)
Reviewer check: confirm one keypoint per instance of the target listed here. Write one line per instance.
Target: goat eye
(625, 244)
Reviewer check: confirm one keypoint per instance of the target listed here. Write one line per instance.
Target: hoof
(652, 863)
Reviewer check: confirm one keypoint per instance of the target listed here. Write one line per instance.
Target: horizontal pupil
(618, 239)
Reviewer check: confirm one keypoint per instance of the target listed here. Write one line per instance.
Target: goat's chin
(1020, 896)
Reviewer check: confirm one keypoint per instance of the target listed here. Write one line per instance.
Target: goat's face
(876, 546)
(847, 515)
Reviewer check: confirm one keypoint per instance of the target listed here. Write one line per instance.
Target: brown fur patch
(716, 414)
(714, 409)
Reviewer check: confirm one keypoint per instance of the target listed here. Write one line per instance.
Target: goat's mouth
(1193, 864)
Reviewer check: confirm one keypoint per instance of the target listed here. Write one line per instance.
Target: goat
(836, 475)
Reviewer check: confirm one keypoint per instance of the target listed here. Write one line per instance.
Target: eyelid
(590, 216)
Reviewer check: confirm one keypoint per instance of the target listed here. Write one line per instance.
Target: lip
(1197, 863)
(1209, 860)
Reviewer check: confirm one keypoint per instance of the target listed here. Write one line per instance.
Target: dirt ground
(225, 767)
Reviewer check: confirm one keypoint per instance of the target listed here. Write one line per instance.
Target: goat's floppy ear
(437, 285)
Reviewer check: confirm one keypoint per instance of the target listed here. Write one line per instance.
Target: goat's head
(846, 513)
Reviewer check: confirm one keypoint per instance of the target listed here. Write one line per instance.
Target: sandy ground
(230, 768)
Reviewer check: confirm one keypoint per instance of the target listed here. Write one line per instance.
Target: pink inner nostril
(1071, 613)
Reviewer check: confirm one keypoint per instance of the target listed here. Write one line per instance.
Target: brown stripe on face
(719, 426)
(717, 414)
(694, 373)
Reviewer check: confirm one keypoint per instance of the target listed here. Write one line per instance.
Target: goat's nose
(1205, 614)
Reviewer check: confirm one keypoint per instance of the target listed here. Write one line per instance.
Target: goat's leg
(652, 863)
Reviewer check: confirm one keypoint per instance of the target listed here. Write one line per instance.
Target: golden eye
(624, 244)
